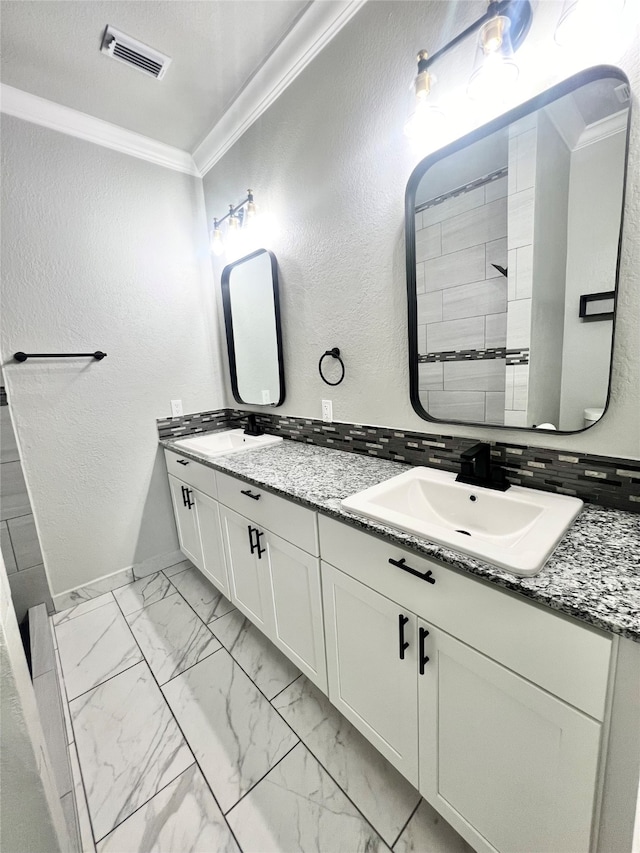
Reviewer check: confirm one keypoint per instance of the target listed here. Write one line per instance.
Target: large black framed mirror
(254, 336)
(513, 245)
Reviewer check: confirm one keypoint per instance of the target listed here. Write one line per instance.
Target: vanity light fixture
(502, 29)
(239, 216)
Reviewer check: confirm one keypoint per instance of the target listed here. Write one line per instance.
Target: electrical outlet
(327, 411)
(176, 408)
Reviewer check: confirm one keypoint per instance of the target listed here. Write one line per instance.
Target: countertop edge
(425, 548)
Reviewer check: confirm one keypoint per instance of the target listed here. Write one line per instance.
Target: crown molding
(317, 27)
(609, 126)
(46, 113)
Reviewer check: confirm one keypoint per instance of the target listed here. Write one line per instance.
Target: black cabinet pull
(184, 495)
(403, 644)
(248, 493)
(252, 544)
(190, 503)
(183, 462)
(402, 564)
(261, 551)
(424, 660)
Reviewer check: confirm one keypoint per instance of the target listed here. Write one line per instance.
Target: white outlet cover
(176, 408)
(327, 411)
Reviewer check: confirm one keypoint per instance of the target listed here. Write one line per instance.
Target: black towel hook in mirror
(334, 353)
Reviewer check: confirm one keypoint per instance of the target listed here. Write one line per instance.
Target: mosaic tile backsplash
(602, 480)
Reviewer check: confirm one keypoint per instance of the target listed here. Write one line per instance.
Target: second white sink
(516, 530)
(227, 441)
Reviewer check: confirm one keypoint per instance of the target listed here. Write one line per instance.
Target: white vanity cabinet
(198, 517)
(510, 765)
(274, 581)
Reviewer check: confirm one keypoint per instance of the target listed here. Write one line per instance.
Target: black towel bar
(23, 356)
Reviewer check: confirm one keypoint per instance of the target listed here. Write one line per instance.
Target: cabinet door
(213, 561)
(508, 758)
(297, 605)
(186, 521)
(369, 682)
(248, 572)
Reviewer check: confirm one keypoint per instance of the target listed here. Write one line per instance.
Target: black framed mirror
(254, 336)
(509, 232)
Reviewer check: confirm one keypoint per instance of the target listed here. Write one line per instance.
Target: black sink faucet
(252, 427)
(476, 469)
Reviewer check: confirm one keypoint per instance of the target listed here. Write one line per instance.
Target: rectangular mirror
(511, 231)
(252, 321)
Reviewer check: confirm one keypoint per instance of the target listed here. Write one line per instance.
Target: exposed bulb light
(495, 72)
(425, 117)
(217, 245)
(240, 227)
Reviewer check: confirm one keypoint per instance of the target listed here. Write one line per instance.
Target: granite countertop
(593, 574)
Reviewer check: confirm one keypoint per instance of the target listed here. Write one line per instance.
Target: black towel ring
(334, 353)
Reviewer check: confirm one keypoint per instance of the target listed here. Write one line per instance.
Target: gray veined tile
(171, 636)
(182, 818)
(429, 307)
(50, 712)
(495, 330)
(428, 243)
(86, 835)
(94, 647)
(457, 405)
(7, 549)
(487, 374)
(298, 807)
(481, 225)
(456, 335)
(129, 746)
(176, 568)
(454, 269)
(453, 206)
(91, 591)
(430, 376)
(81, 609)
(14, 500)
(201, 594)
(232, 729)
(28, 588)
(383, 796)
(428, 831)
(143, 592)
(24, 539)
(475, 299)
(268, 668)
(71, 820)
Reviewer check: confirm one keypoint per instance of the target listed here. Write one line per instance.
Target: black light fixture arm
(234, 211)
(496, 7)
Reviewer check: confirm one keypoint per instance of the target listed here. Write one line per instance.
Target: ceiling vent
(125, 49)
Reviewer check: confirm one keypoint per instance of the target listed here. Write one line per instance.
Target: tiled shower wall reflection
(18, 536)
(461, 239)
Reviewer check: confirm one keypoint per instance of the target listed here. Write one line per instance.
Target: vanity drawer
(287, 519)
(566, 658)
(192, 473)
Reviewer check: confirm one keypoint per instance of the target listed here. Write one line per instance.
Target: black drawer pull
(183, 462)
(403, 644)
(249, 494)
(424, 660)
(402, 564)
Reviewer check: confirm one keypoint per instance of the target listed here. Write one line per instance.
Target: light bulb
(250, 210)
(216, 242)
(495, 71)
(426, 120)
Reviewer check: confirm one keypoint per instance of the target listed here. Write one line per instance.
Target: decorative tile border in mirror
(602, 480)
(512, 356)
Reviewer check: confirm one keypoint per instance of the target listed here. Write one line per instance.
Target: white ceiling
(51, 48)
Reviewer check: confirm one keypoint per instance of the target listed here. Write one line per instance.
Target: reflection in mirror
(252, 320)
(508, 230)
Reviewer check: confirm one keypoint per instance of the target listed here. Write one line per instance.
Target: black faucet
(476, 469)
(252, 427)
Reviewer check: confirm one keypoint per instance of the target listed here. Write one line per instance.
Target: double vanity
(501, 708)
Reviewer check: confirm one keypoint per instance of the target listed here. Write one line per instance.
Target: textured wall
(31, 820)
(329, 163)
(101, 251)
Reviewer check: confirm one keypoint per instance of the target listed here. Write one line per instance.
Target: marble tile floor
(189, 731)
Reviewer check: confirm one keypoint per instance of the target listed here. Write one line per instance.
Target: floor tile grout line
(331, 776)
(73, 606)
(146, 802)
(286, 687)
(262, 778)
(145, 605)
(408, 821)
(110, 678)
(206, 624)
(184, 737)
(182, 671)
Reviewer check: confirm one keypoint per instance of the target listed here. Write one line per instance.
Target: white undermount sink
(516, 530)
(227, 441)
